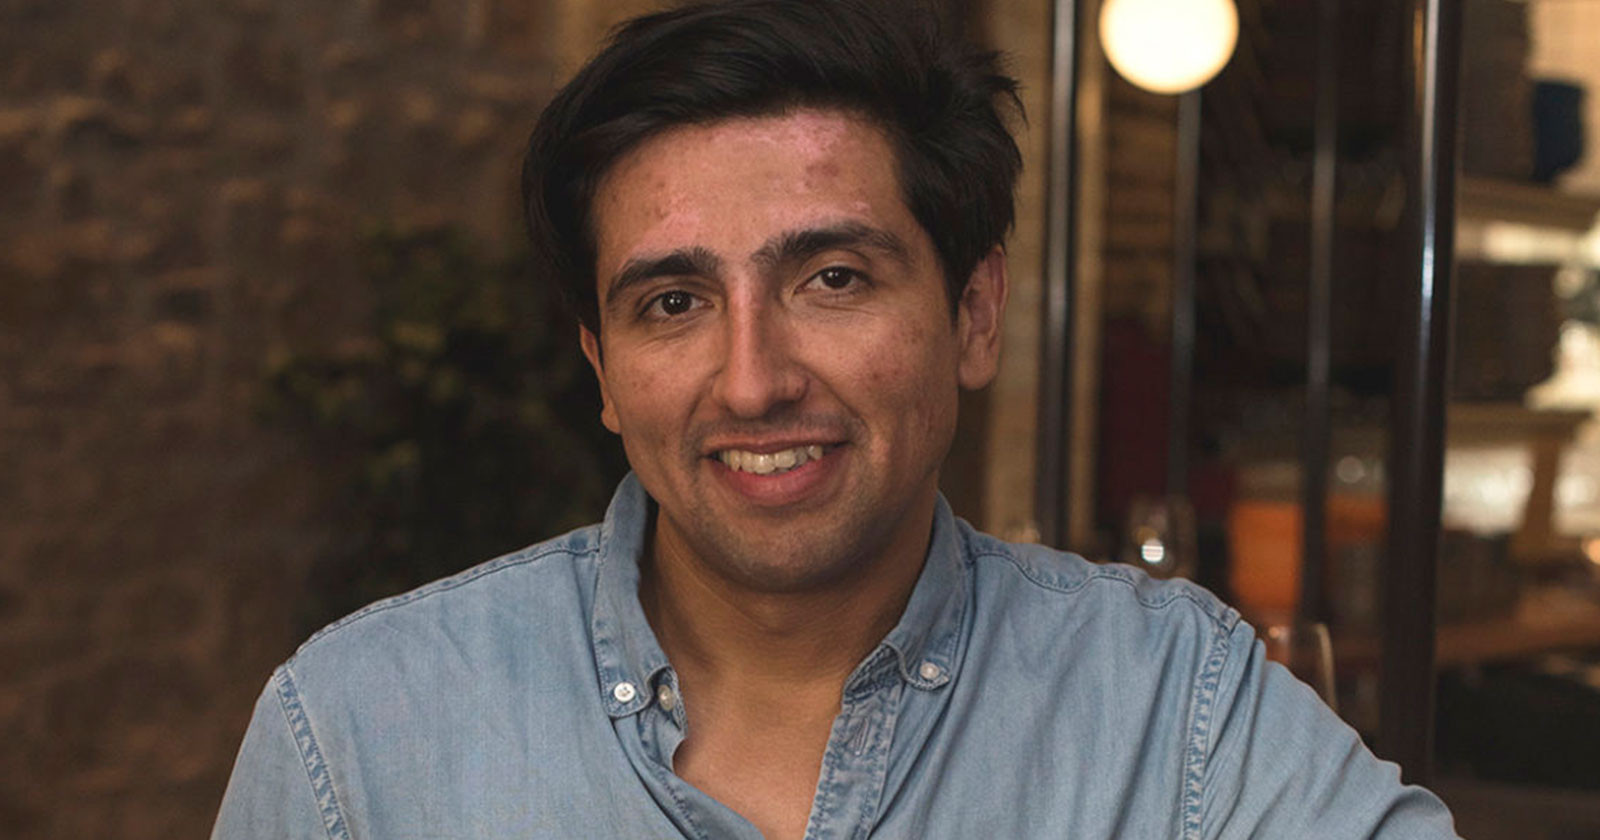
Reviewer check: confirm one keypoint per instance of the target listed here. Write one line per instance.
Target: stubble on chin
(788, 553)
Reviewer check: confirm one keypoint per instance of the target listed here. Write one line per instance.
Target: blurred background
(269, 351)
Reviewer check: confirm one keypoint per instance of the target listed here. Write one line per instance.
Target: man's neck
(725, 633)
(762, 672)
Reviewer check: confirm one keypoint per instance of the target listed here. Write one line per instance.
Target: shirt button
(930, 671)
(666, 698)
(624, 692)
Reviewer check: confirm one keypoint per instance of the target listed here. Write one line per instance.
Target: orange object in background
(1264, 546)
(1264, 554)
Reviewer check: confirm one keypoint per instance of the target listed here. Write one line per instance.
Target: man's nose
(759, 370)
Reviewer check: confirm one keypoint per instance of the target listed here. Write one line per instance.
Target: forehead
(732, 184)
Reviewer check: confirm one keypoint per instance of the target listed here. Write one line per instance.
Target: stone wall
(183, 184)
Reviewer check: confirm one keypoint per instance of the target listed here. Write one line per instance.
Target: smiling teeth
(767, 463)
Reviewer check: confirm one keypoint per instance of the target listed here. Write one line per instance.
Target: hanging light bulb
(1168, 46)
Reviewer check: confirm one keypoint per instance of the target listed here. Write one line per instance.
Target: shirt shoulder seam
(521, 558)
(316, 767)
(1223, 620)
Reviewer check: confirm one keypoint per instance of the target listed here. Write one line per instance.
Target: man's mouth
(768, 463)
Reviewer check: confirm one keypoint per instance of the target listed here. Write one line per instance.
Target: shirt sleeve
(273, 792)
(1282, 764)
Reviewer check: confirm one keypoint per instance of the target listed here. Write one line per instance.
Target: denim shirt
(1024, 693)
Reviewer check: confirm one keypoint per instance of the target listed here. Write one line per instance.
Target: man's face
(778, 351)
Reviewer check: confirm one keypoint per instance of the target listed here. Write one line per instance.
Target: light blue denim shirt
(1025, 693)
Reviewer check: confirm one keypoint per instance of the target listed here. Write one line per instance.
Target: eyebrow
(696, 261)
(801, 245)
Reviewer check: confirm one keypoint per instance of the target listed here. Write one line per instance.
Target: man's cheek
(898, 363)
(646, 408)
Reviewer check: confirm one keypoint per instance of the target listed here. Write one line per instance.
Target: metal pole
(1055, 359)
(1416, 456)
(1186, 199)
(1319, 320)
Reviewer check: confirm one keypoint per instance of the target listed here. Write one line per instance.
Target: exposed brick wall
(182, 189)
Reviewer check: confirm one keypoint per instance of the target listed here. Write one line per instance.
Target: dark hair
(938, 100)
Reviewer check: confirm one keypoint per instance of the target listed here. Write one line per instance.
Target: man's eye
(675, 302)
(837, 278)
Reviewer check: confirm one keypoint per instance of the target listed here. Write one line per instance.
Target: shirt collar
(925, 642)
(927, 638)
(625, 648)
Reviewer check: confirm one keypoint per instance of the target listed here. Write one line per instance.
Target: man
(781, 224)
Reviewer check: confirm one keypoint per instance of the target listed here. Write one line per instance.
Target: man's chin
(834, 540)
(788, 568)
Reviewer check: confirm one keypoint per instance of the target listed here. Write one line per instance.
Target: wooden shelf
(1470, 423)
(1545, 434)
(1497, 200)
(1544, 620)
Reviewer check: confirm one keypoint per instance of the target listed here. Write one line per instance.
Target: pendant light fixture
(1169, 46)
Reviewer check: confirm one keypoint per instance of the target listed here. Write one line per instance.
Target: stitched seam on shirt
(669, 783)
(822, 802)
(952, 641)
(948, 642)
(1224, 622)
(1197, 751)
(316, 768)
(884, 736)
(445, 585)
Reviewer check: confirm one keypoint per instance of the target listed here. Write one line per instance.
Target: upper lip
(768, 446)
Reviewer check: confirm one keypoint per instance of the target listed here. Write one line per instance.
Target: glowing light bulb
(1169, 46)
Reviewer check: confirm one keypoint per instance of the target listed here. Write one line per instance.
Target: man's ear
(980, 317)
(591, 351)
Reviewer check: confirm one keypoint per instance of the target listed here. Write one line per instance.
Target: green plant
(465, 425)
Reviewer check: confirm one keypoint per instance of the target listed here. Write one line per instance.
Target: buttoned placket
(664, 723)
(652, 727)
(640, 690)
(659, 728)
(856, 761)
